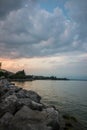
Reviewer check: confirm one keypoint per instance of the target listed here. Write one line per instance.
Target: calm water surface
(68, 96)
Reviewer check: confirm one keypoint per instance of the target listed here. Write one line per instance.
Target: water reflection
(67, 96)
(24, 84)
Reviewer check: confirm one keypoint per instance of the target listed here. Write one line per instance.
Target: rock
(36, 106)
(22, 110)
(3, 91)
(11, 90)
(28, 102)
(53, 118)
(28, 94)
(27, 118)
(7, 117)
(11, 99)
(4, 107)
(8, 105)
(21, 94)
(21, 102)
(8, 93)
(34, 96)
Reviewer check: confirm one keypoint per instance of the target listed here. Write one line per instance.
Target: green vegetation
(68, 117)
(18, 75)
(71, 122)
(10, 75)
(5, 74)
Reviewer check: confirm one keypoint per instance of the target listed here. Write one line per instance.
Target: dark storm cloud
(6, 6)
(30, 32)
(77, 11)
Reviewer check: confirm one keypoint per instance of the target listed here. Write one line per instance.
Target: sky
(44, 37)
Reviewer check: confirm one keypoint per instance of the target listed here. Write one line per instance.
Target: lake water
(68, 96)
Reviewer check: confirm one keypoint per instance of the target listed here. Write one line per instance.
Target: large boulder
(28, 102)
(52, 119)
(6, 118)
(28, 94)
(27, 118)
(8, 105)
(7, 91)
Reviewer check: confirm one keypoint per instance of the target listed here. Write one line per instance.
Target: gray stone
(34, 120)
(53, 118)
(4, 107)
(36, 106)
(34, 96)
(28, 102)
(12, 90)
(28, 94)
(11, 99)
(7, 117)
(8, 105)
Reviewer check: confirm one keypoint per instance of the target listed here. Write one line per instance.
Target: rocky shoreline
(22, 110)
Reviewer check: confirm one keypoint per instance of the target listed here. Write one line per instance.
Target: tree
(0, 65)
(19, 75)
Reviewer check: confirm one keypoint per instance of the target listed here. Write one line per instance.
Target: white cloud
(34, 32)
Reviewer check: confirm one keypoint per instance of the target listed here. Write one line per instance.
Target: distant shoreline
(21, 77)
(24, 80)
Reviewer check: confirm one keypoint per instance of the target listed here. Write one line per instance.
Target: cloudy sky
(44, 37)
